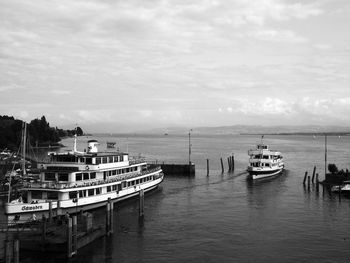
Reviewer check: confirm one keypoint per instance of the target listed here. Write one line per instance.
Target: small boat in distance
(264, 162)
(344, 188)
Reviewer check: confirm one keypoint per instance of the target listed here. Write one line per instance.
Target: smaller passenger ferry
(74, 181)
(264, 162)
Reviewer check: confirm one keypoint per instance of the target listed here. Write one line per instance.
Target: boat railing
(110, 179)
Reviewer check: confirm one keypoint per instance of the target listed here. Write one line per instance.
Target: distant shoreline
(302, 133)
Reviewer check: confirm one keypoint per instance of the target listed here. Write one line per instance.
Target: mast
(24, 141)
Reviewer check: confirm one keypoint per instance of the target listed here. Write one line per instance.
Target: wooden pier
(179, 169)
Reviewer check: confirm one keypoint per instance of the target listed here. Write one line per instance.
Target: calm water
(224, 218)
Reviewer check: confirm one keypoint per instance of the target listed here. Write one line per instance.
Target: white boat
(264, 162)
(75, 181)
(344, 188)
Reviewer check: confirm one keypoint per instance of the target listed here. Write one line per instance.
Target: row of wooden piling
(312, 179)
(230, 162)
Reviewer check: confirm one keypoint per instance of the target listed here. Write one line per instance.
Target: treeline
(39, 132)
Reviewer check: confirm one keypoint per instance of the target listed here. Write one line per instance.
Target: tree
(79, 131)
(332, 168)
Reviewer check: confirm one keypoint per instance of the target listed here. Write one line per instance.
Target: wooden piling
(233, 162)
(313, 174)
(43, 233)
(50, 211)
(75, 235)
(8, 251)
(141, 204)
(317, 183)
(207, 167)
(16, 251)
(69, 237)
(305, 176)
(229, 164)
(222, 166)
(108, 217)
(308, 182)
(111, 218)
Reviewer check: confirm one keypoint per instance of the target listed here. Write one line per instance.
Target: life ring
(87, 168)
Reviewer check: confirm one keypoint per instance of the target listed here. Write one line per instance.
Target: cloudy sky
(114, 65)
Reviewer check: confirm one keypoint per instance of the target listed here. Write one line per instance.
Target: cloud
(276, 36)
(60, 92)
(10, 87)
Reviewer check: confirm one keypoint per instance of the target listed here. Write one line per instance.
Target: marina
(224, 216)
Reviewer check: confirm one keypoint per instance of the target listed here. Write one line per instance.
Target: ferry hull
(255, 175)
(60, 211)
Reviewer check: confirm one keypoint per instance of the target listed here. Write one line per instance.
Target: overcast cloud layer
(116, 65)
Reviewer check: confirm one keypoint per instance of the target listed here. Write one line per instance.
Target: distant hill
(256, 129)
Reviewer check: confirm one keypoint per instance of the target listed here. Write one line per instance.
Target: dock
(179, 169)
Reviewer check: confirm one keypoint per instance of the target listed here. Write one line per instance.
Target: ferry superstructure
(264, 162)
(75, 181)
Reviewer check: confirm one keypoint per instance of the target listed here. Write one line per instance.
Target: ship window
(36, 195)
(88, 160)
(129, 184)
(108, 188)
(52, 195)
(91, 192)
(104, 159)
(114, 187)
(86, 176)
(92, 175)
(98, 160)
(109, 173)
(63, 177)
(110, 159)
(78, 177)
(98, 191)
(121, 158)
(73, 195)
(137, 181)
(82, 193)
(124, 184)
(50, 177)
(114, 172)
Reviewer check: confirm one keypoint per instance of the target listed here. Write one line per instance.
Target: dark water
(225, 218)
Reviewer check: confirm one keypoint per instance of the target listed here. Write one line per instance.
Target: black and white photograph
(174, 131)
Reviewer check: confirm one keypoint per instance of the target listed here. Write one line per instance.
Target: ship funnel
(92, 146)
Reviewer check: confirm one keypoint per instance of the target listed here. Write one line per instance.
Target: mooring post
(69, 237)
(16, 251)
(313, 174)
(75, 234)
(308, 182)
(141, 204)
(43, 232)
(108, 217)
(233, 162)
(207, 167)
(222, 166)
(8, 251)
(317, 183)
(229, 164)
(305, 176)
(50, 211)
(111, 218)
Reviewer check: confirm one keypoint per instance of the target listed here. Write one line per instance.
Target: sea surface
(224, 217)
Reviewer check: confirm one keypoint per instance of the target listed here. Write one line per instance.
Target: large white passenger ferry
(75, 181)
(264, 162)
